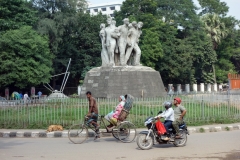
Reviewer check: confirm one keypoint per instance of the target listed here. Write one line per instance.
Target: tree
(236, 50)
(213, 6)
(25, 58)
(228, 51)
(183, 49)
(179, 13)
(151, 47)
(15, 14)
(59, 21)
(216, 30)
(81, 40)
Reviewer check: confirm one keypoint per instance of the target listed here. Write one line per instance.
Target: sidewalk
(40, 133)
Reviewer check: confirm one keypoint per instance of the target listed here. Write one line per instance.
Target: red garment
(160, 127)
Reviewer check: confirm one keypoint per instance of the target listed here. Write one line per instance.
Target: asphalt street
(223, 145)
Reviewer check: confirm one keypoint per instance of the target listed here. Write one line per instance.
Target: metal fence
(201, 108)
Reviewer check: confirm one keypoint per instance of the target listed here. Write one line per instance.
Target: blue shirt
(39, 94)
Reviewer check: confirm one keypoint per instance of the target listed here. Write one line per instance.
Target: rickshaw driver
(93, 111)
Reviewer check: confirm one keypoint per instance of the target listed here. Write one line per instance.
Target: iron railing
(201, 108)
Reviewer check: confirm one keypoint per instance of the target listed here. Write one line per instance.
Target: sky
(233, 5)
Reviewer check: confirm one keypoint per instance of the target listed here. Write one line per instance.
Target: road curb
(64, 134)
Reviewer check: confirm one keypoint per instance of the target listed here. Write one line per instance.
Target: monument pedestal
(111, 82)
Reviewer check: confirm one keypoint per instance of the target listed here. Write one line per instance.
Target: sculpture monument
(121, 71)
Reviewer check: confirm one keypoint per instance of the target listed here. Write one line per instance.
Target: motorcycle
(146, 139)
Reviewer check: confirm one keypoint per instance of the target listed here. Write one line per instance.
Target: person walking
(25, 97)
(39, 94)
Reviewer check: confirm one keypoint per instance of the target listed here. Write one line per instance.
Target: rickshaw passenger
(113, 116)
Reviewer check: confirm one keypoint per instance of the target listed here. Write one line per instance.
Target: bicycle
(124, 131)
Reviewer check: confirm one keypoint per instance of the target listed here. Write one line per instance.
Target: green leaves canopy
(15, 13)
(24, 57)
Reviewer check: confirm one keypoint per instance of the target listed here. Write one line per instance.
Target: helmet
(178, 100)
(167, 104)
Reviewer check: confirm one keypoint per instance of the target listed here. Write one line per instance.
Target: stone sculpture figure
(110, 41)
(104, 54)
(129, 44)
(122, 41)
(136, 47)
(115, 34)
(133, 36)
(120, 44)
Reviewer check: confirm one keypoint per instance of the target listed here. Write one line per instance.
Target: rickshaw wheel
(126, 132)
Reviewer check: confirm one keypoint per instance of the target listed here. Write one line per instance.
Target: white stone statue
(133, 37)
(120, 44)
(122, 41)
(110, 40)
(136, 47)
(104, 54)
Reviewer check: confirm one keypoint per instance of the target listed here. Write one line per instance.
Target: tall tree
(15, 14)
(58, 21)
(216, 30)
(190, 38)
(213, 6)
(25, 58)
(151, 47)
(228, 51)
(82, 42)
(180, 13)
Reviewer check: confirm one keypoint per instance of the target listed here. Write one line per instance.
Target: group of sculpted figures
(120, 44)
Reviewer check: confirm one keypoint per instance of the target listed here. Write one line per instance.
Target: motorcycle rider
(179, 112)
(168, 114)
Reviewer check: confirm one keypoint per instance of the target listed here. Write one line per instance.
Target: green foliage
(173, 40)
(151, 48)
(15, 14)
(213, 6)
(208, 77)
(88, 44)
(214, 28)
(180, 13)
(25, 58)
(73, 34)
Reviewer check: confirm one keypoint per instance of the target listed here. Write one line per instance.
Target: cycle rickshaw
(124, 130)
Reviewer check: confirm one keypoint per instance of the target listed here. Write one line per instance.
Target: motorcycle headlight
(145, 123)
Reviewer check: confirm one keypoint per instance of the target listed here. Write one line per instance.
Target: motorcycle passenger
(168, 114)
(179, 112)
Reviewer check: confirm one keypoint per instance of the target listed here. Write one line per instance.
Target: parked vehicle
(146, 139)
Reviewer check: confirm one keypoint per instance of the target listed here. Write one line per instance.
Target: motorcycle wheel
(182, 141)
(144, 143)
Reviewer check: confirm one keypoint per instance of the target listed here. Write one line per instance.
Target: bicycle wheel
(78, 133)
(115, 133)
(126, 132)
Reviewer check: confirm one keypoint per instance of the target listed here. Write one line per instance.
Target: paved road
(223, 145)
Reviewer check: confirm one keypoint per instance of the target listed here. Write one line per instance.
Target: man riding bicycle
(93, 111)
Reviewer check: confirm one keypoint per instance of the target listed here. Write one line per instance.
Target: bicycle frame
(101, 121)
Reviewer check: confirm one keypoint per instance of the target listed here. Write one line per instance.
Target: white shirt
(168, 114)
(25, 97)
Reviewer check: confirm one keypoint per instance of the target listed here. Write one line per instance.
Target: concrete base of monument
(111, 82)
